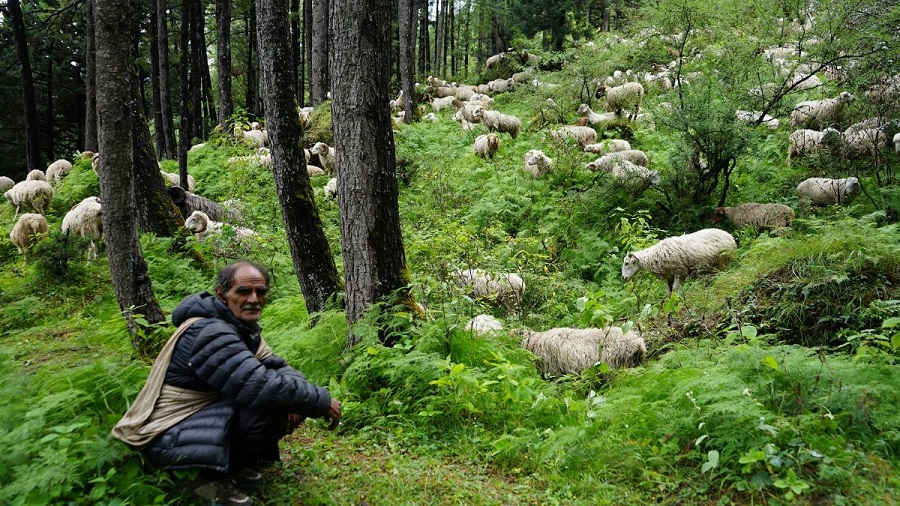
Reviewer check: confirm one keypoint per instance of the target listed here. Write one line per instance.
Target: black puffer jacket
(218, 354)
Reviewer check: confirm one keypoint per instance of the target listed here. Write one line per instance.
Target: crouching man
(217, 399)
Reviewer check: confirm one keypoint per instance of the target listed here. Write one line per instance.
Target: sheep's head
(630, 266)
(493, 142)
(318, 148)
(718, 215)
(584, 110)
(197, 222)
(852, 187)
(846, 98)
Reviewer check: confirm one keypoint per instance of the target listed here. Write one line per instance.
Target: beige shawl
(159, 406)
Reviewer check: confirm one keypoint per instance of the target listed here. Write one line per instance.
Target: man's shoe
(248, 477)
(222, 492)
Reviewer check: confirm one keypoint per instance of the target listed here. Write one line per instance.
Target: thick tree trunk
(407, 26)
(223, 61)
(313, 262)
(318, 73)
(198, 53)
(51, 116)
(374, 260)
(165, 95)
(90, 69)
(115, 104)
(32, 146)
(154, 210)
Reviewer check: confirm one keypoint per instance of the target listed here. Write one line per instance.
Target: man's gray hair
(225, 279)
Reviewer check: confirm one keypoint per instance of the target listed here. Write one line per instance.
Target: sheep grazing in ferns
(570, 351)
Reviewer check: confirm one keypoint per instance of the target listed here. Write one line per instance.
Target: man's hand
(334, 414)
(293, 421)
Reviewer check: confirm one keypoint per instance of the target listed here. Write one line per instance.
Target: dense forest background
(771, 381)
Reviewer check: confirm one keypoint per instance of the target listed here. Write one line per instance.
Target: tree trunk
(374, 260)
(51, 121)
(32, 146)
(115, 104)
(185, 125)
(154, 210)
(297, 50)
(423, 38)
(252, 78)
(197, 53)
(438, 38)
(468, 37)
(313, 262)
(454, 33)
(406, 15)
(90, 67)
(318, 72)
(158, 137)
(165, 95)
(209, 105)
(223, 61)
(307, 47)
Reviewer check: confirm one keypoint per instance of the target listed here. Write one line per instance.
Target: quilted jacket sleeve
(221, 359)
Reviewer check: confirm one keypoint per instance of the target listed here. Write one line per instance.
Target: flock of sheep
(559, 350)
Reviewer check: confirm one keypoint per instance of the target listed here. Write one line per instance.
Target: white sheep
(754, 116)
(638, 177)
(592, 117)
(606, 162)
(607, 146)
(33, 195)
(30, 229)
(494, 60)
(84, 219)
(859, 143)
(821, 112)
(822, 191)
(256, 137)
(36, 175)
(897, 142)
(501, 85)
(625, 97)
(468, 114)
(480, 99)
(314, 171)
(537, 163)
(327, 156)
(673, 259)
(442, 102)
(803, 142)
(57, 170)
(486, 145)
(6, 184)
(760, 216)
(201, 226)
(305, 114)
(570, 351)
(484, 324)
(430, 117)
(507, 288)
(499, 122)
(583, 135)
(174, 180)
(330, 189)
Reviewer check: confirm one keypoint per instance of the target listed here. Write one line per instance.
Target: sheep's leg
(676, 285)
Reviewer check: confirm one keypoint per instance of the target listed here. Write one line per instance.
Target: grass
(770, 382)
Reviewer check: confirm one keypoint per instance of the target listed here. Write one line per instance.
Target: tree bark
(115, 104)
(165, 95)
(307, 48)
(223, 61)
(90, 68)
(209, 104)
(32, 145)
(158, 137)
(318, 72)
(423, 38)
(374, 260)
(197, 53)
(51, 117)
(438, 37)
(406, 14)
(185, 125)
(313, 262)
(250, 98)
(297, 50)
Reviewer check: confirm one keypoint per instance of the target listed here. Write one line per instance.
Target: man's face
(247, 296)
